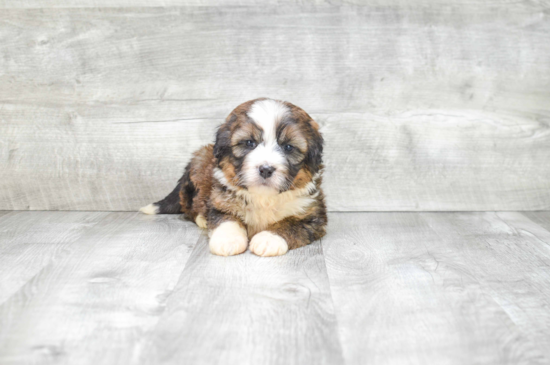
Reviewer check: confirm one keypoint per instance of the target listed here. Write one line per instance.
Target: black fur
(314, 157)
(171, 204)
(222, 147)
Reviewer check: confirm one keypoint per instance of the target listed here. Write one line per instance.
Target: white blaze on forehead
(266, 114)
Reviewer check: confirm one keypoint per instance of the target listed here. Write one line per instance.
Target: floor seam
(336, 319)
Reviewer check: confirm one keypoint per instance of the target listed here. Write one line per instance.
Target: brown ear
(314, 124)
(223, 138)
(314, 156)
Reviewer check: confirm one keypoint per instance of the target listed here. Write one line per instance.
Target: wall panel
(431, 107)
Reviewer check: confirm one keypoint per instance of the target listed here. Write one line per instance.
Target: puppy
(259, 185)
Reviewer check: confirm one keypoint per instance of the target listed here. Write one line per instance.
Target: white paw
(201, 221)
(149, 209)
(229, 238)
(268, 244)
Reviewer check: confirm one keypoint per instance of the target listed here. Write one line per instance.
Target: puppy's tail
(169, 205)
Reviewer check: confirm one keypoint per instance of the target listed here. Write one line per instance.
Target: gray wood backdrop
(425, 105)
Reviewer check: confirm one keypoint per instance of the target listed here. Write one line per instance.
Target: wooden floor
(381, 288)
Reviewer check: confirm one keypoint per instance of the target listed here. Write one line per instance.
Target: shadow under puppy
(260, 181)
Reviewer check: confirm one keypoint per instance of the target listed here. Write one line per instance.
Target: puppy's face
(268, 147)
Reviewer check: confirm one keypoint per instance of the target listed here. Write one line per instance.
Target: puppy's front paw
(268, 244)
(201, 221)
(229, 238)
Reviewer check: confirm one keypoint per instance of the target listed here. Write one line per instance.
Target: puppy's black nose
(266, 171)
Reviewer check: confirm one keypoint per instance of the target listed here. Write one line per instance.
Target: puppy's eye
(250, 143)
(288, 148)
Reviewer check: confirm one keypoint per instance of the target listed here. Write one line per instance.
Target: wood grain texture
(423, 107)
(540, 218)
(381, 288)
(30, 241)
(46, 4)
(97, 297)
(510, 257)
(248, 310)
(434, 288)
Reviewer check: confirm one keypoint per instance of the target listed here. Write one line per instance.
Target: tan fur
(201, 221)
(200, 175)
(301, 180)
(228, 171)
(259, 211)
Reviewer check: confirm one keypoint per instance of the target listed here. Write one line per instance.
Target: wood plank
(510, 256)
(94, 303)
(104, 106)
(540, 218)
(414, 288)
(30, 241)
(248, 310)
(40, 4)
(31, 4)
(418, 288)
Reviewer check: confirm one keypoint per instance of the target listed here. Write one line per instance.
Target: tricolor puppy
(259, 185)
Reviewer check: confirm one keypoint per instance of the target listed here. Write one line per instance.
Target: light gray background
(424, 105)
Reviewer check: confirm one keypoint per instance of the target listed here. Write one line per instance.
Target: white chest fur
(259, 210)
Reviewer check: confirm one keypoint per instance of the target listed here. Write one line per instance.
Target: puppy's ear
(222, 147)
(314, 157)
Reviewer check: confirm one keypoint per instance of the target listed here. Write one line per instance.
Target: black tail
(172, 203)
(169, 205)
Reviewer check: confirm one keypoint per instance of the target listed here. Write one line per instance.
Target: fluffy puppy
(259, 185)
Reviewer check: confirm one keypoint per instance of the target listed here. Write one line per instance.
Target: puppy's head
(268, 147)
